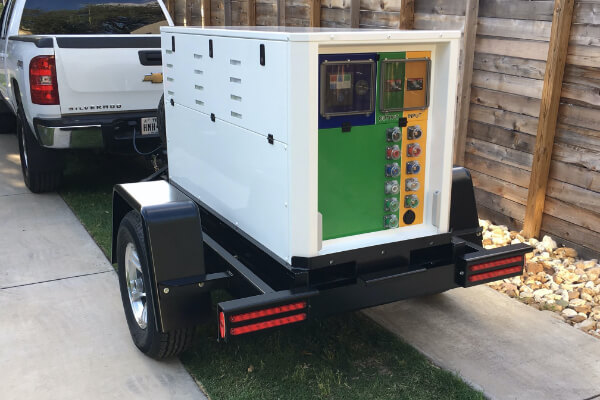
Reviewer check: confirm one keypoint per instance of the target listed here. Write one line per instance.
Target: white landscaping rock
(567, 284)
(586, 325)
(568, 313)
(549, 244)
(538, 294)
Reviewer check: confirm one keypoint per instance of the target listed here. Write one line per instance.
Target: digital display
(347, 87)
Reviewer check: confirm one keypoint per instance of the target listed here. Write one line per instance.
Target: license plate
(149, 126)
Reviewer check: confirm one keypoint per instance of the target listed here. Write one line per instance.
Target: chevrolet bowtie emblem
(154, 78)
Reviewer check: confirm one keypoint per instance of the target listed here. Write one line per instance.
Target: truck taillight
(42, 80)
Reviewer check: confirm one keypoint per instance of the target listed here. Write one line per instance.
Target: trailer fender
(464, 220)
(174, 244)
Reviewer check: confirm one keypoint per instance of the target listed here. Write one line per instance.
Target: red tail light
(268, 324)
(495, 274)
(222, 325)
(256, 320)
(42, 80)
(497, 263)
(267, 312)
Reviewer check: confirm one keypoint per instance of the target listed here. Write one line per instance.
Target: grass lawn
(343, 357)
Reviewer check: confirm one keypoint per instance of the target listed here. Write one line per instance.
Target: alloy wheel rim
(135, 286)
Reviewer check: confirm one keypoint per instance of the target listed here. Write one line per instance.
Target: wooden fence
(503, 66)
(387, 14)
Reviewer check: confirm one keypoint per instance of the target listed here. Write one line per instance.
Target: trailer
(310, 173)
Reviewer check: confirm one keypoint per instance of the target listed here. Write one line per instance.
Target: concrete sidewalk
(63, 333)
(500, 346)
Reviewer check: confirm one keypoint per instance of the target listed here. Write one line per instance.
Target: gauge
(362, 87)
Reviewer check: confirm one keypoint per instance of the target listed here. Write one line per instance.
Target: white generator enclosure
(314, 141)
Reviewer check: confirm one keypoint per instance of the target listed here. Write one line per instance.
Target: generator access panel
(372, 140)
(314, 141)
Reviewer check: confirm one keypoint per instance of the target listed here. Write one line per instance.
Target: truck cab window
(69, 17)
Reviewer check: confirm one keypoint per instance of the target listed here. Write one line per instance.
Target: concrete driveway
(63, 333)
(500, 346)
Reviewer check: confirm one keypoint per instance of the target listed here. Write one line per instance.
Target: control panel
(373, 111)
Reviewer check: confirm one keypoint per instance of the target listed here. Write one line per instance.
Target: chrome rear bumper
(70, 137)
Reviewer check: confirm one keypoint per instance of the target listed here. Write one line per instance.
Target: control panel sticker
(414, 84)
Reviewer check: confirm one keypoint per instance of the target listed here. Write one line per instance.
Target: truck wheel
(137, 297)
(160, 121)
(7, 123)
(42, 168)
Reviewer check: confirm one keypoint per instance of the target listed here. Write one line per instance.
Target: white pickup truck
(79, 74)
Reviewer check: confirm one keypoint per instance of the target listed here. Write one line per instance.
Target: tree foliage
(91, 19)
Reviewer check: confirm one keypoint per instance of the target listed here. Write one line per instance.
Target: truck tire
(137, 297)
(7, 119)
(160, 121)
(42, 168)
(7, 123)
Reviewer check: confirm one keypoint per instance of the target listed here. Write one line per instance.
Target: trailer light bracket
(200, 283)
(483, 266)
(261, 312)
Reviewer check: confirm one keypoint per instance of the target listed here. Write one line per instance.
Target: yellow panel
(417, 85)
(416, 98)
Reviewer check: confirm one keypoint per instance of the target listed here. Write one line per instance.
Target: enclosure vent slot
(236, 98)
(236, 115)
(169, 79)
(198, 87)
(169, 65)
(200, 102)
(235, 62)
(170, 93)
(198, 72)
(198, 56)
(234, 80)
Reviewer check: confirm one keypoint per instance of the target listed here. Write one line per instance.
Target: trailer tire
(160, 121)
(146, 336)
(42, 168)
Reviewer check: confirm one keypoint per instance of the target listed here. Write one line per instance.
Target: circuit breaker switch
(392, 170)
(393, 153)
(392, 187)
(413, 167)
(412, 185)
(411, 201)
(392, 204)
(390, 221)
(394, 134)
(414, 132)
(413, 150)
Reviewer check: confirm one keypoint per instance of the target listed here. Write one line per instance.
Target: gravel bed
(554, 279)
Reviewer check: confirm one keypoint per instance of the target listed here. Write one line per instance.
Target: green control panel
(372, 159)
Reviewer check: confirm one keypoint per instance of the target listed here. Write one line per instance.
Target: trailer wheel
(137, 297)
(42, 168)
(160, 121)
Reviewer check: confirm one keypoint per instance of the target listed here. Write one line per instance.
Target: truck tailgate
(100, 74)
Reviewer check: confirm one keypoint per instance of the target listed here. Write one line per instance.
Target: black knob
(409, 217)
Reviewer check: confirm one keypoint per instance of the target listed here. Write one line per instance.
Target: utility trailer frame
(269, 292)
